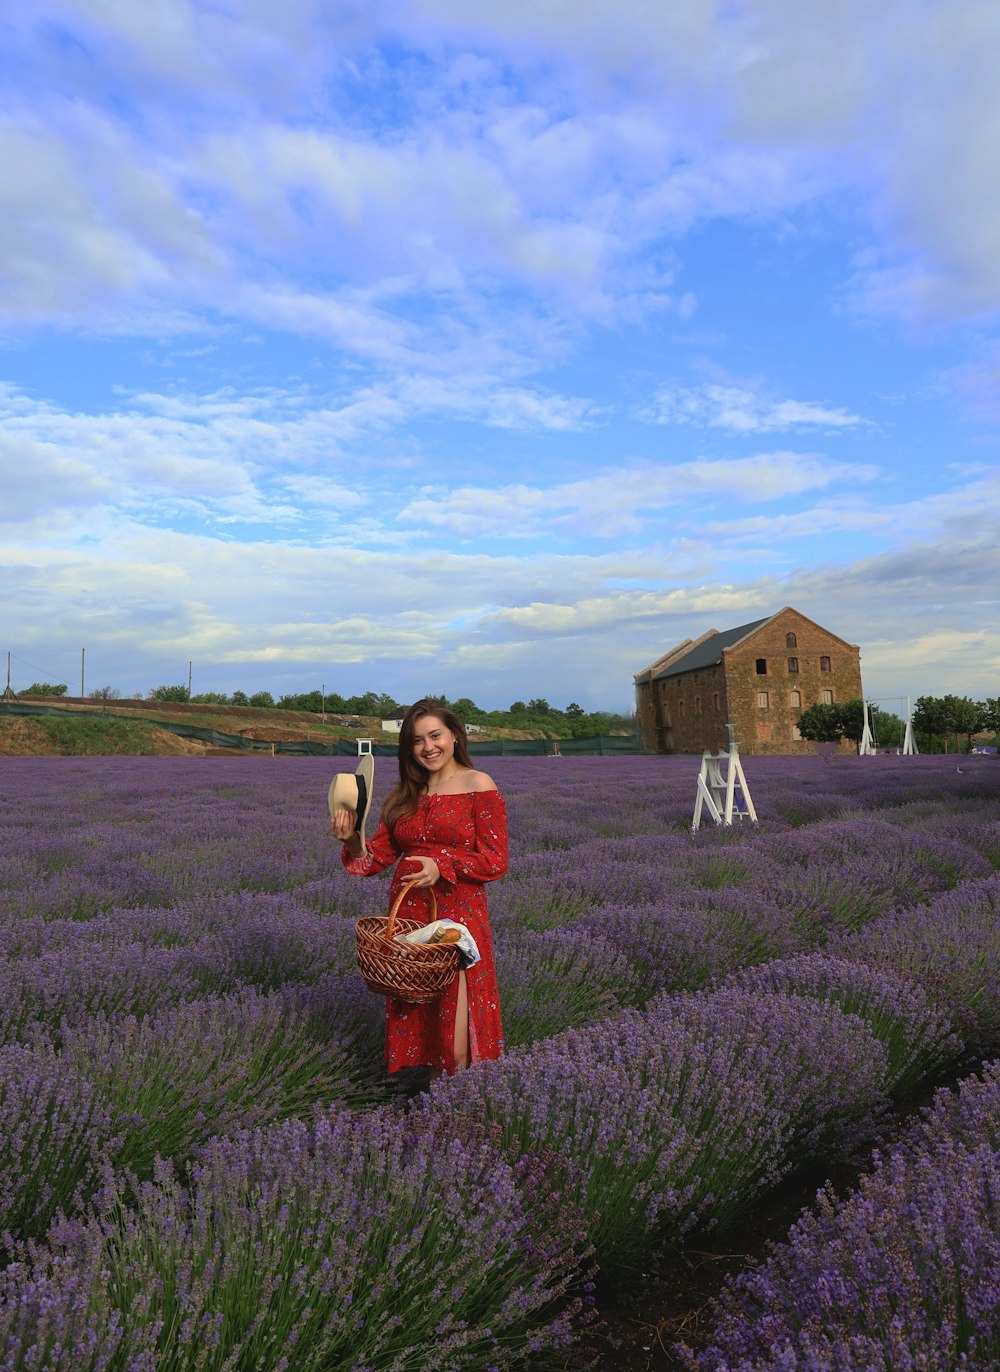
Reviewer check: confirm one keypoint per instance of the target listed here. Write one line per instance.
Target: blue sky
(421, 345)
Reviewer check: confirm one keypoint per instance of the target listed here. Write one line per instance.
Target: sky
(445, 345)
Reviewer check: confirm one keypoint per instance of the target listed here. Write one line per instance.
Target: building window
(680, 708)
(824, 664)
(793, 665)
(795, 733)
(827, 697)
(762, 666)
(795, 699)
(697, 705)
(715, 700)
(791, 641)
(762, 700)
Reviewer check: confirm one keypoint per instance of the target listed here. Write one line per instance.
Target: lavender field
(203, 1166)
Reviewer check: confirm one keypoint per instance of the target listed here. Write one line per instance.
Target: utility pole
(8, 693)
(83, 654)
(323, 694)
(189, 681)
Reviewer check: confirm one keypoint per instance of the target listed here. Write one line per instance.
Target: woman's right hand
(342, 824)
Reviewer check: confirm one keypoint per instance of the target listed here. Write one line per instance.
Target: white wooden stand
(722, 788)
(866, 747)
(909, 742)
(868, 742)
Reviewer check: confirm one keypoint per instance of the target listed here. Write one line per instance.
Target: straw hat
(354, 792)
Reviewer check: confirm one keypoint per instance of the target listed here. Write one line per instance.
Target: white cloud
(847, 517)
(622, 501)
(443, 205)
(145, 600)
(87, 218)
(742, 410)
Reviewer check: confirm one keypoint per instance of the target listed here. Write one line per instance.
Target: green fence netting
(604, 744)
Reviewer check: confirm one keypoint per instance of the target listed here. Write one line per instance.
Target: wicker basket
(414, 972)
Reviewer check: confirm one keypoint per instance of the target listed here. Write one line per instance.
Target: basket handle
(404, 889)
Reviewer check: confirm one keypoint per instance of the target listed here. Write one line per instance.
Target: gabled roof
(648, 673)
(707, 652)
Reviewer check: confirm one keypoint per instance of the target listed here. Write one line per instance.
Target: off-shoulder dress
(466, 835)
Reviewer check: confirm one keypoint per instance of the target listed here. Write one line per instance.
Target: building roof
(706, 652)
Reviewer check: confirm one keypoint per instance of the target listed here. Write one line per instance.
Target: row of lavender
(194, 884)
(902, 1273)
(255, 1018)
(461, 1234)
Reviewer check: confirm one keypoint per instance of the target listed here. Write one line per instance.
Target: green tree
(940, 716)
(106, 693)
(822, 724)
(965, 716)
(239, 698)
(43, 688)
(368, 704)
(310, 701)
(889, 729)
(574, 711)
(539, 706)
(930, 717)
(210, 698)
(852, 719)
(264, 700)
(990, 708)
(468, 711)
(168, 693)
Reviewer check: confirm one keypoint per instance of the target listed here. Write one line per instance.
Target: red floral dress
(466, 835)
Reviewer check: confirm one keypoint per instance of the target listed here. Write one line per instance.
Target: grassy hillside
(128, 727)
(83, 737)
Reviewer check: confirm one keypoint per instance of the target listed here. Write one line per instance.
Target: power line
(45, 671)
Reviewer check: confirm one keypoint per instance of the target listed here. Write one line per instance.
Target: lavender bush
(951, 948)
(56, 1135)
(557, 980)
(181, 933)
(210, 1067)
(681, 1115)
(374, 1243)
(54, 1317)
(71, 985)
(901, 1274)
(918, 1037)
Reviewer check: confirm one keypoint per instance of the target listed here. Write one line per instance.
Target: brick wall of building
(771, 728)
(688, 712)
(692, 711)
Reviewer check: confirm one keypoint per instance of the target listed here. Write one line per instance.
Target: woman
(447, 825)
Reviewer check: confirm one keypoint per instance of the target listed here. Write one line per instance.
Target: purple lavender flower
(902, 1273)
(678, 1116)
(55, 1137)
(349, 1241)
(918, 1037)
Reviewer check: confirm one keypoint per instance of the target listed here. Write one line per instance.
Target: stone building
(759, 677)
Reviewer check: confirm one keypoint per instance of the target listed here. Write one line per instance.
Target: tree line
(531, 715)
(935, 719)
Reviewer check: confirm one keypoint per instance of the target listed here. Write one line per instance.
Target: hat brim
(354, 791)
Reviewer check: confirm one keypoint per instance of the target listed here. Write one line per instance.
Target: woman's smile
(433, 744)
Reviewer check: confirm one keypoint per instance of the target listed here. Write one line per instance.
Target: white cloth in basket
(468, 953)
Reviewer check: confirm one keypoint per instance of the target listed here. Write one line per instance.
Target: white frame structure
(866, 747)
(722, 788)
(909, 747)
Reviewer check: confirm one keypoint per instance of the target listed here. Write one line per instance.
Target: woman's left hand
(427, 876)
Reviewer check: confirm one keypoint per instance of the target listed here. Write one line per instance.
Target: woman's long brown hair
(403, 799)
